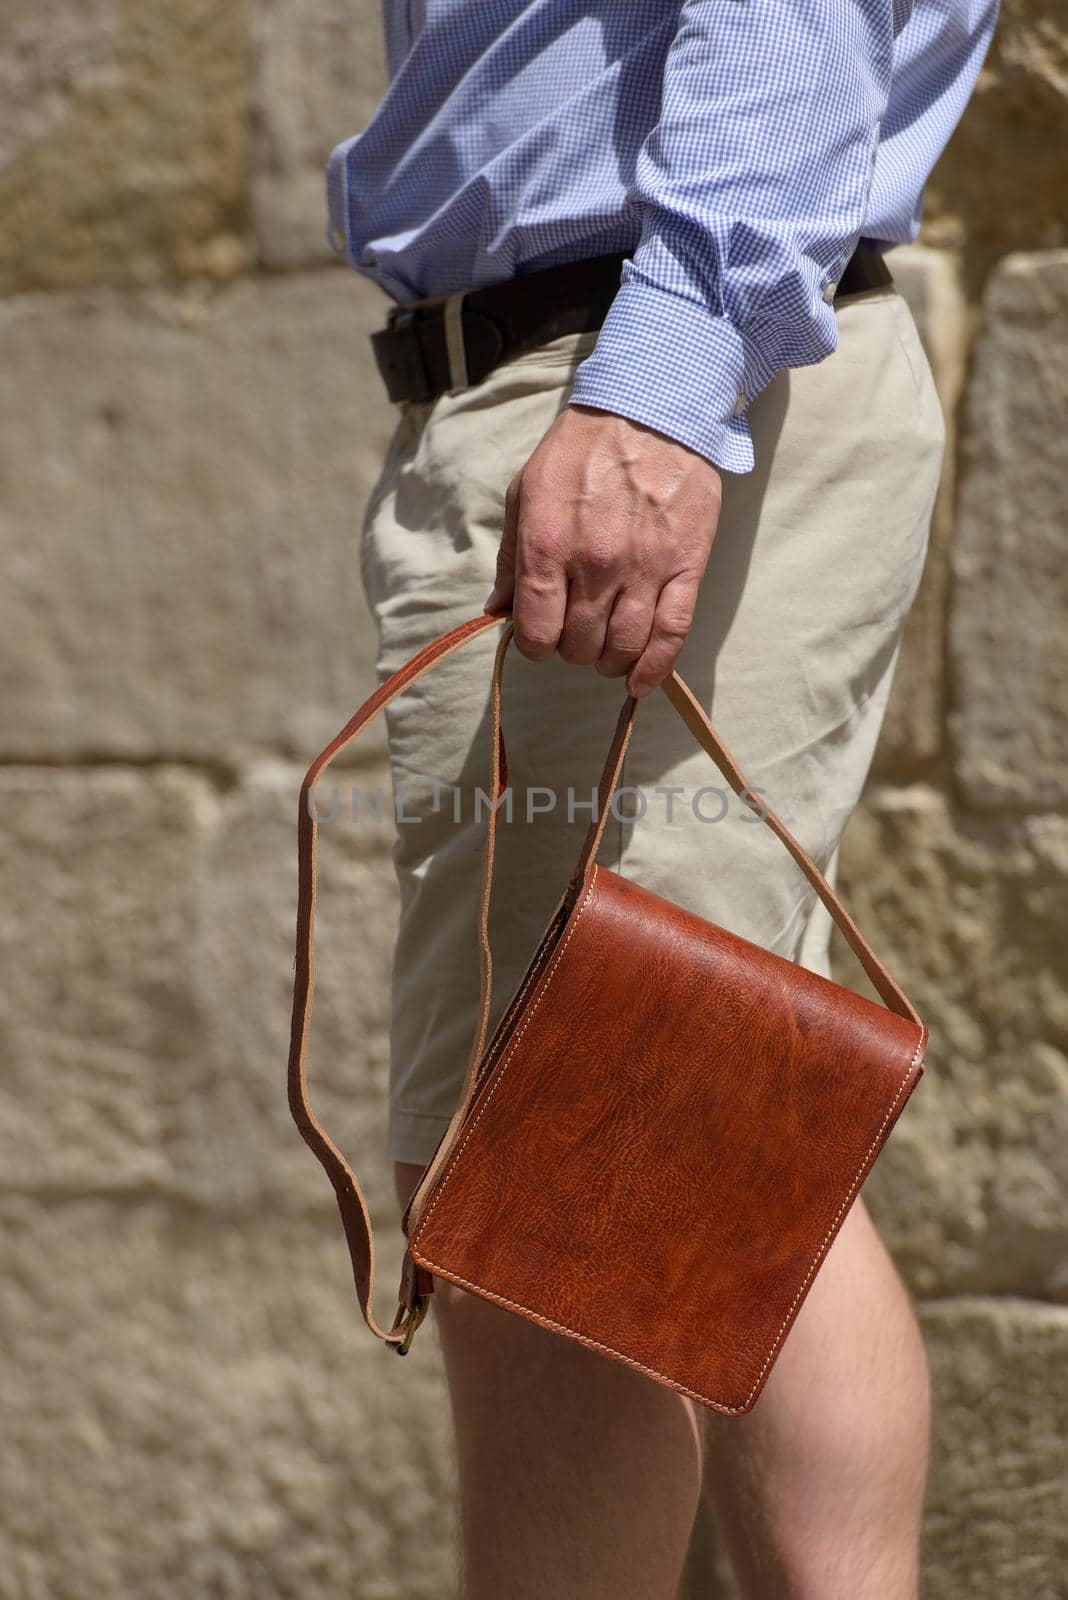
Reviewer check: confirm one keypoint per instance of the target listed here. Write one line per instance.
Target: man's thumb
(501, 595)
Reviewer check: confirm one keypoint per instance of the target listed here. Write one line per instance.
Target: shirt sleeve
(752, 190)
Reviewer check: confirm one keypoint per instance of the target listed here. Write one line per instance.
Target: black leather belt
(438, 346)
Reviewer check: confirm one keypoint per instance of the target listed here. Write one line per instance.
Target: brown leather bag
(656, 1148)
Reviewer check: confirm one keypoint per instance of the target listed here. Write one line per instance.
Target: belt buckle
(407, 318)
(399, 354)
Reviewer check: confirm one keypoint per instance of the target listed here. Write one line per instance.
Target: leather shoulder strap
(353, 1208)
(354, 1214)
(693, 715)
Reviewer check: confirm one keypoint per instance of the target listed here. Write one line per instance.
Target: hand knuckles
(663, 652)
(671, 627)
(632, 617)
(627, 641)
(600, 558)
(536, 589)
(533, 477)
(543, 550)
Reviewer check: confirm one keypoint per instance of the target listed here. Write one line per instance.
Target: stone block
(182, 486)
(929, 282)
(97, 919)
(1008, 640)
(997, 1521)
(971, 916)
(912, 732)
(200, 1411)
(318, 76)
(1002, 183)
(123, 142)
(146, 928)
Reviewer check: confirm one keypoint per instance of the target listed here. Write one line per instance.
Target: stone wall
(189, 427)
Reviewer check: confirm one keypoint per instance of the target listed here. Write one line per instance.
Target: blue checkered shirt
(736, 149)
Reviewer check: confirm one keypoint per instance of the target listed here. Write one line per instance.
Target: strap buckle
(408, 1318)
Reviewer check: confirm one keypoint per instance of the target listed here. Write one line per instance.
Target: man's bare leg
(580, 1479)
(818, 1492)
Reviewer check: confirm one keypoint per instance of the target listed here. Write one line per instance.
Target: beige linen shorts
(815, 564)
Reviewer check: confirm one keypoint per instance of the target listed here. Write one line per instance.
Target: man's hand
(607, 533)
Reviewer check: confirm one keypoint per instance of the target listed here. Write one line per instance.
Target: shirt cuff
(668, 362)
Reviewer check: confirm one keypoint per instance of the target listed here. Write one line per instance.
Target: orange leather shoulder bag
(657, 1146)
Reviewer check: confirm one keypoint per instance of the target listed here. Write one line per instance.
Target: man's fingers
(595, 575)
(502, 594)
(671, 623)
(582, 636)
(540, 602)
(607, 530)
(628, 631)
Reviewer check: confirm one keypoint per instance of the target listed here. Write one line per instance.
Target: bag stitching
(693, 1394)
(595, 1344)
(854, 1186)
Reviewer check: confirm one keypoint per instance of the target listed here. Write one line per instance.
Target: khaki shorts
(815, 565)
